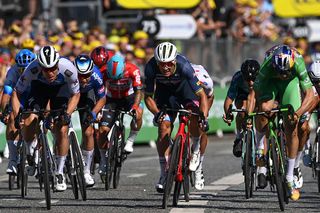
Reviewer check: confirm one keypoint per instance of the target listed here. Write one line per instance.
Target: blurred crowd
(241, 21)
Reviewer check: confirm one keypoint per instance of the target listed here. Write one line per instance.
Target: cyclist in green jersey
(279, 80)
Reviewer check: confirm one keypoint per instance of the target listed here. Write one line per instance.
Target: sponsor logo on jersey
(68, 73)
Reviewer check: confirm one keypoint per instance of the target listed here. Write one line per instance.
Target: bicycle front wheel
(276, 172)
(22, 169)
(174, 158)
(45, 169)
(78, 164)
(248, 165)
(119, 159)
(113, 143)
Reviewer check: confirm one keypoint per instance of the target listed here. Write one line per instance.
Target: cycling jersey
(95, 83)
(204, 78)
(67, 74)
(239, 88)
(173, 84)
(125, 86)
(11, 80)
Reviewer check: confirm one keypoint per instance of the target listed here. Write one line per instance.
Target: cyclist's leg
(87, 99)
(291, 95)
(106, 123)
(12, 141)
(134, 129)
(240, 103)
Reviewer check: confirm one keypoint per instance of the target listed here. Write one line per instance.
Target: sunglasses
(52, 69)
(88, 75)
(166, 64)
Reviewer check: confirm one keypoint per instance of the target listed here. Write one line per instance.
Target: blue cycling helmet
(84, 64)
(283, 59)
(24, 57)
(115, 67)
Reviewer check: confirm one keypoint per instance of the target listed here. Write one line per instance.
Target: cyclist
(280, 78)
(92, 96)
(241, 84)
(23, 58)
(54, 80)
(124, 91)
(170, 80)
(100, 55)
(207, 84)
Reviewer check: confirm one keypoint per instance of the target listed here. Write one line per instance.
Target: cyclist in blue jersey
(23, 58)
(92, 96)
(241, 83)
(170, 81)
(54, 81)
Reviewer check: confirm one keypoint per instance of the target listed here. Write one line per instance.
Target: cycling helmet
(283, 59)
(24, 57)
(165, 52)
(48, 57)
(100, 56)
(115, 67)
(28, 44)
(314, 71)
(250, 69)
(84, 64)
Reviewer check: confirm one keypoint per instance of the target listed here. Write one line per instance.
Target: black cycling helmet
(250, 69)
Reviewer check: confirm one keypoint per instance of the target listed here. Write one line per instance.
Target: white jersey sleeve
(204, 78)
(70, 73)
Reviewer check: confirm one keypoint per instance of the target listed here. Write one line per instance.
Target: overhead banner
(150, 4)
(179, 26)
(314, 26)
(296, 8)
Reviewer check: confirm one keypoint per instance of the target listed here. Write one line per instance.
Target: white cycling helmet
(314, 71)
(165, 52)
(48, 57)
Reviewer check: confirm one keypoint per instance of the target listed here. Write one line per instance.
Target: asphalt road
(224, 191)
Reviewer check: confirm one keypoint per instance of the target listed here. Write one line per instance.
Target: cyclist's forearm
(251, 101)
(203, 103)
(99, 105)
(308, 103)
(15, 103)
(151, 104)
(138, 97)
(5, 101)
(227, 103)
(73, 102)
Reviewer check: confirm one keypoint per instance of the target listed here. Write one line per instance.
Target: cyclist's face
(84, 79)
(167, 68)
(50, 74)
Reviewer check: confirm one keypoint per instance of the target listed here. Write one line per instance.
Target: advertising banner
(150, 4)
(296, 8)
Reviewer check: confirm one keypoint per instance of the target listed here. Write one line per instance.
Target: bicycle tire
(11, 180)
(110, 161)
(185, 170)
(283, 166)
(171, 172)
(178, 184)
(247, 164)
(22, 173)
(72, 177)
(276, 173)
(45, 169)
(176, 193)
(78, 163)
(119, 159)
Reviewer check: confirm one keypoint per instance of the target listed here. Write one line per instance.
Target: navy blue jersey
(156, 82)
(95, 83)
(12, 77)
(238, 87)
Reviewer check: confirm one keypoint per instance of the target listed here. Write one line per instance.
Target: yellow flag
(296, 8)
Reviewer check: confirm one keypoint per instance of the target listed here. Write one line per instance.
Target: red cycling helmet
(100, 56)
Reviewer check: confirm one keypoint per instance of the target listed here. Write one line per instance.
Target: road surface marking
(52, 201)
(137, 175)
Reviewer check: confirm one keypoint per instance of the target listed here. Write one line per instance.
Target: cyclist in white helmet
(170, 81)
(54, 80)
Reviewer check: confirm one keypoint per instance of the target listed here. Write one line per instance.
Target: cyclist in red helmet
(100, 55)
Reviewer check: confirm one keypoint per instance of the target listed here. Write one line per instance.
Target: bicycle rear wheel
(174, 158)
(248, 165)
(119, 154)
(72, 176)
(22, 173)
(276, 173)
(78, 164)
(45, 169)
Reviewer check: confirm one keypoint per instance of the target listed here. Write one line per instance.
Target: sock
(289, 175)
(238, 134)
(132, 136)
(103, 153)
(262, 170)
(196, 144)
(87, 157)
(260, 139)
(297, 161)
(60, 163)
(201, 161)
(307, 145)
(12, 145)
(162, 162)
(31, 146)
